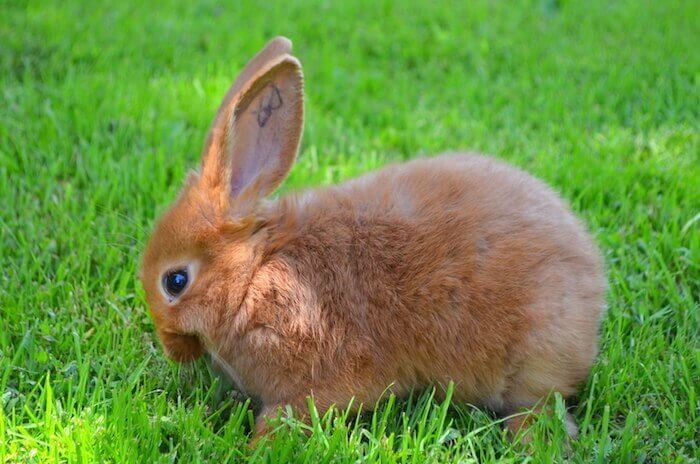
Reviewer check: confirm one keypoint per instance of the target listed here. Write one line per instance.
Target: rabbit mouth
(180, 347)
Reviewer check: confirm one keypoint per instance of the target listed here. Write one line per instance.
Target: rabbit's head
(203, 252)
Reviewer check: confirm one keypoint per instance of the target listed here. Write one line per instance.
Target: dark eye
(174, 282)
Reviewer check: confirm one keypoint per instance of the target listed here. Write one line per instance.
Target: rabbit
(456, 268)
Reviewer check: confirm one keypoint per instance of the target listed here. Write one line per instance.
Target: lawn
(104, 107)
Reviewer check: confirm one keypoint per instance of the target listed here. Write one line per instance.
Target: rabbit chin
(182, 348)
(222, 365)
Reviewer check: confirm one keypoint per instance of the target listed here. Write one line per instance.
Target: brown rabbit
(456, 268)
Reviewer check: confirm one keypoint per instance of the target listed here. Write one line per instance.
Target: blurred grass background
(104, 107)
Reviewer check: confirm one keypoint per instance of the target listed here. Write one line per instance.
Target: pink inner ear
(252, 168)
(265, 137)
(264, 146)
(266, 125)
(244, 176)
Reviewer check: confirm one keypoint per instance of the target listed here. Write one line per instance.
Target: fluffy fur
(455, 268)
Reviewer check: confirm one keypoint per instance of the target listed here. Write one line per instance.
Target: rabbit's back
(458, 268)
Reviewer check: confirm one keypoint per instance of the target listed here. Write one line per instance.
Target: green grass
(103, 109)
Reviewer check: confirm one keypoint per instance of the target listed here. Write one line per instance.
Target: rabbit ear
(260, 142)
(273, 49)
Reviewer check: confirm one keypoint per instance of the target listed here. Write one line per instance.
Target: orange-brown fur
(455, 268)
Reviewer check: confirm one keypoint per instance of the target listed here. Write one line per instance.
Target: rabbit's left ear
(273, 49)
(263, 133)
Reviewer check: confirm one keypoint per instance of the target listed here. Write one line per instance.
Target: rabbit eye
(175, 282)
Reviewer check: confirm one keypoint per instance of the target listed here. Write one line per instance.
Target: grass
(103, 109)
